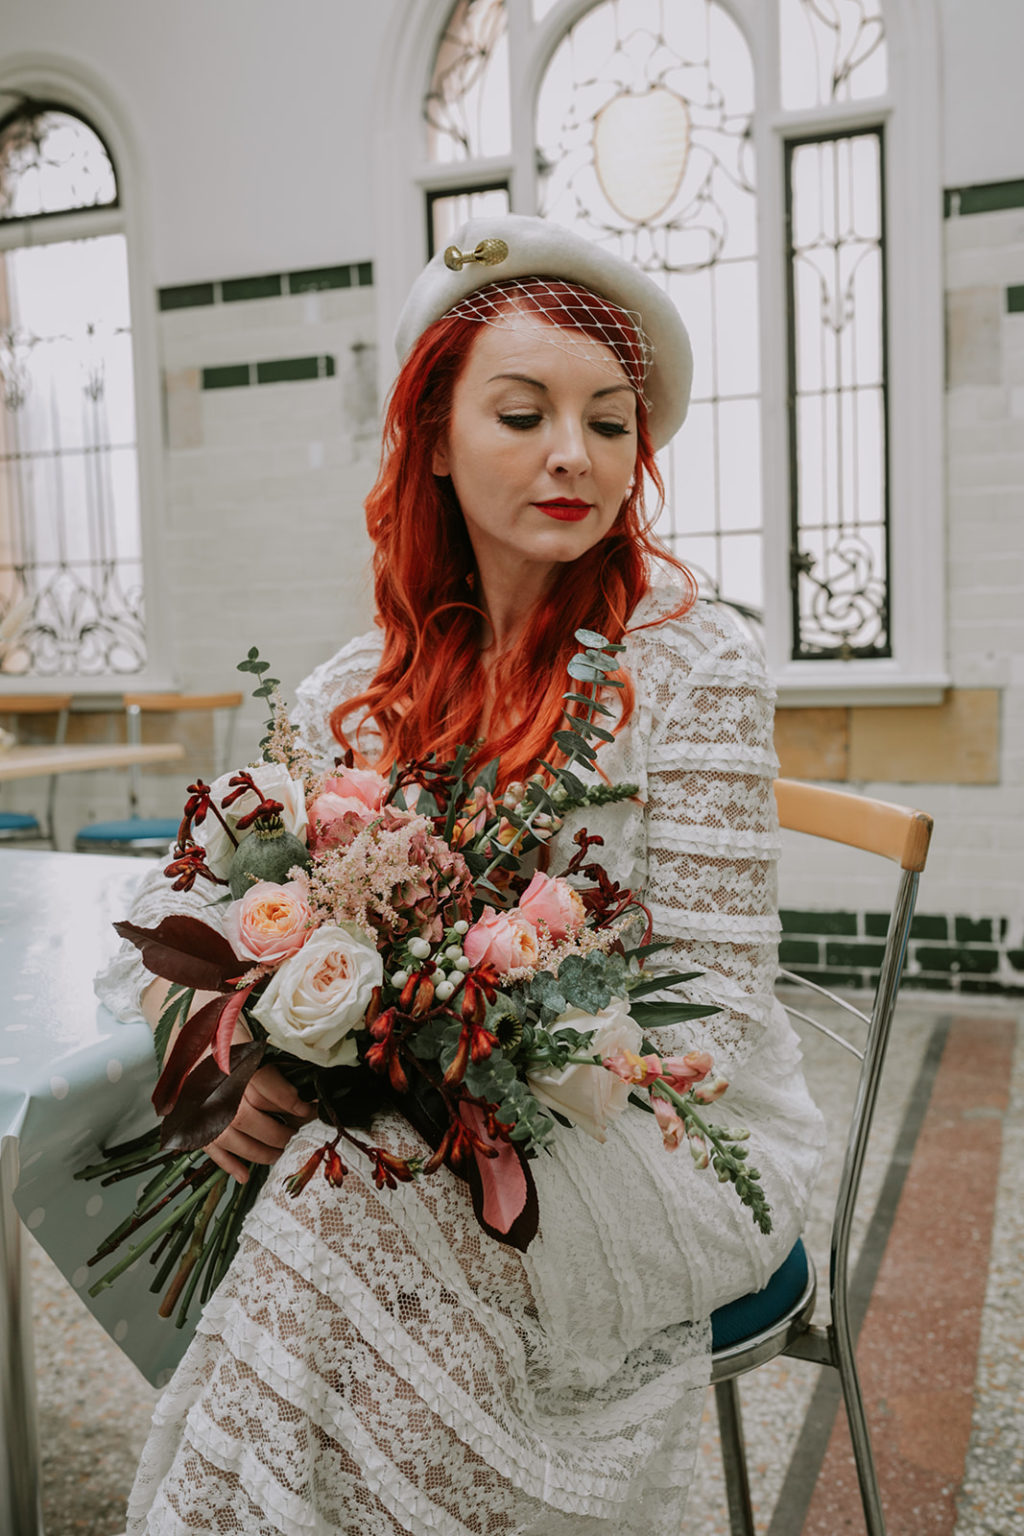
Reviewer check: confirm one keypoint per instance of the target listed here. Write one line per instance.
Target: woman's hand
(270, 1112)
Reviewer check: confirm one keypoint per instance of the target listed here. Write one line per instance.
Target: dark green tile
(924, 926)
(876, 924)
(819, 922)
(1015, 300)
(188, 296)
(313, 279)
(1016, 958)
(797, 953)
(974, 984)
(853, 954)
(251, 288)
(955, 959)
(287, 370)
(971, 930)
(989, 197)
(234, 376)
(364, 274)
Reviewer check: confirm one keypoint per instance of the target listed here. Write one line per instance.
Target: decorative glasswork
(467, 107)
(838, 429)
(70, 542)
(831, 51)
(51, 162)
(644, 133)
(447, 211)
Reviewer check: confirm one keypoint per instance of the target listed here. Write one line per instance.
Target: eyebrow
(524, 378)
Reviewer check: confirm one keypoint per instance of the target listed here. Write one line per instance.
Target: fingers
(238, 1171)
(268, 1090)
(256, 1133)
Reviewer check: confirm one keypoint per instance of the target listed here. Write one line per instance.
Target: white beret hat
(539, 248)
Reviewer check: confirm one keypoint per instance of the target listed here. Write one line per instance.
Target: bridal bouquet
(381, 943)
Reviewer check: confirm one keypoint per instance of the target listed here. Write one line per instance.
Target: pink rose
(553, 902)
(335, 820)
(358, 784)
(270, 922)
(505, 940)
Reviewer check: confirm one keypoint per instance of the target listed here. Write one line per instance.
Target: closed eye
(610, 428)
(520, 423)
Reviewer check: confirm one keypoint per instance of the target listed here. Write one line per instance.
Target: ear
(439, 462)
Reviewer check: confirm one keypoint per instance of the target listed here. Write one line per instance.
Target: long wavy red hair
(430, 689)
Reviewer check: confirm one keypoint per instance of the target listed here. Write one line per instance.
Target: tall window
(70, 542)
(738, 151)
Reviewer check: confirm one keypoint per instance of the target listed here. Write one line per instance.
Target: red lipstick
(566, 510)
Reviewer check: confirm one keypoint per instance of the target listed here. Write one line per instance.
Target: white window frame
(79, 91)
(910, 114)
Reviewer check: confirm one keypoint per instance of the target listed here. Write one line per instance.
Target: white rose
(319, 996)
(591, 1096)
(275, 782)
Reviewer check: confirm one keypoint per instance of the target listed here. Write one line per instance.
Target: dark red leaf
(208, 1100)
(185, 950)
(195, 1038)
(226, 1028)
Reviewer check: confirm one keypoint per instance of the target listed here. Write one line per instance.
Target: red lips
(565, 510)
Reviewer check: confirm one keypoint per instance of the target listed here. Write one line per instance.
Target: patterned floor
(939, 1269)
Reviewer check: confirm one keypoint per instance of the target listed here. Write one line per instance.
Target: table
(72, 1078)
(39, 762)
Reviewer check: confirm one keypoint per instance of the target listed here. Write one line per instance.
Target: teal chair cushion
(18, 821)
(750, 1315)
(131, 830)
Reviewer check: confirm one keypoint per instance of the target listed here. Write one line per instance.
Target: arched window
(773, 164)
(70, 538)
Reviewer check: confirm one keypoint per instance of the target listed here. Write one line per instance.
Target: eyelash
(523, 423)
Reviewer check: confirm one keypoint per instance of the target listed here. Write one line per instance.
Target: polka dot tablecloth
(73, 1079)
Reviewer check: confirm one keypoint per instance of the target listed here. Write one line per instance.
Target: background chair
(23, 826)
(777, 1320)
(136, 834)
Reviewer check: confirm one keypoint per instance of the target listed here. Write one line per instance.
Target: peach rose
(270, 922)
(505, 940)
(358, 784)
(553, 902)
(350, 800)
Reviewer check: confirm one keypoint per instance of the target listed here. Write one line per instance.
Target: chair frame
(58, 704)
(900, 834)
(135, 706)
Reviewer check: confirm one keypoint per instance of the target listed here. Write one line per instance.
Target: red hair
(430, 689)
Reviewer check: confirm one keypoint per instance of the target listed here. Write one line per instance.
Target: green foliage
(175, 1011)
(267, 687)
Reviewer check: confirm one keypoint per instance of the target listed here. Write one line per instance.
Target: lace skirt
(374, 1364)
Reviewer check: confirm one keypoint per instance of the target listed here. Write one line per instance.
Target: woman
(373, 1362)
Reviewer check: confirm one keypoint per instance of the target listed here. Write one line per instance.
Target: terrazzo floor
(948, 1146)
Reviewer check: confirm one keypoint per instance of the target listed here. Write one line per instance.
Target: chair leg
(734, 1458)
(874, 1521)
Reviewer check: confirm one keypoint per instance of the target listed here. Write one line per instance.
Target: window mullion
(521, 32)
(52, 228)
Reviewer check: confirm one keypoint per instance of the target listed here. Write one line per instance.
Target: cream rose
(591, 1096)
(275, 782)
(270, 922)
(318, 997)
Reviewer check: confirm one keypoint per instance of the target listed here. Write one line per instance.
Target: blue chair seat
(130, 830)
(750, 1315)
(18, 821)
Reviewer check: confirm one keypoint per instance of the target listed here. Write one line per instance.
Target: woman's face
(541, 446)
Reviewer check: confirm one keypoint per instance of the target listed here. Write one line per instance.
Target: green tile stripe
(270, 285)
(1015, 299)
(958, 953)
(278, 370)
(990, 197)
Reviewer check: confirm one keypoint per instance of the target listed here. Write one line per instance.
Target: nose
(567, 453)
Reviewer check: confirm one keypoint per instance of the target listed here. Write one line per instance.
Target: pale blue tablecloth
(73, 1078)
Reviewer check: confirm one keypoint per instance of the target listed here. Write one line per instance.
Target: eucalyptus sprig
(268, 686)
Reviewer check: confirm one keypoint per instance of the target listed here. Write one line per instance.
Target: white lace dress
(373, 1363)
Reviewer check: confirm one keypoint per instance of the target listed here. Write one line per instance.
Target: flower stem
(170, 1220)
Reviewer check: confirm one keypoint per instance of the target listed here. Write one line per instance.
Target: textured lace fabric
(373, 1363)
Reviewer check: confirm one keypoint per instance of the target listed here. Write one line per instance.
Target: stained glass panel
(51, 162)
(70, 549)
(674, 82)
(839, 477)
(467, 107)
(831, 50)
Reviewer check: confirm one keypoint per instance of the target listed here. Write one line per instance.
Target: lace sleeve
(121, 985)
(713, 839)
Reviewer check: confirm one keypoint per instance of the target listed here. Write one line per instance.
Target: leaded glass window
(638, 128)
(70, 540)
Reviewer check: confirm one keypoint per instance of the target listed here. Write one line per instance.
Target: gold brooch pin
(488, 253)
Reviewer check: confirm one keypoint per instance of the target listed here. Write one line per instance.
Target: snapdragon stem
(170, 1220)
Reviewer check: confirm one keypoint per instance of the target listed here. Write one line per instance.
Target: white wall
(983, 116)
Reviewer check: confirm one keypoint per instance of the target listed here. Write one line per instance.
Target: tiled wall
(959, 954)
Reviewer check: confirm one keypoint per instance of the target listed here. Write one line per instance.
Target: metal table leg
(20, 1488)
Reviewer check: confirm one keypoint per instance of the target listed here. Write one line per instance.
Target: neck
(507, 596)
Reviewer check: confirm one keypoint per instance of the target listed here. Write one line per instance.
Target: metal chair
(777, 1320)
(23, 826)
(135, 834)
